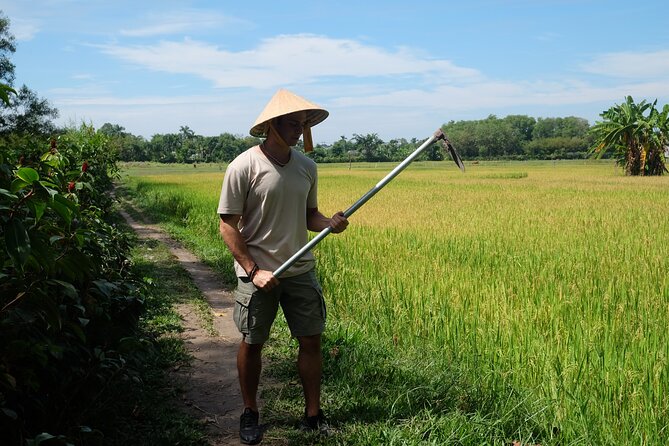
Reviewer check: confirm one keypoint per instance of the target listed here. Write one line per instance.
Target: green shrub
(68, 306)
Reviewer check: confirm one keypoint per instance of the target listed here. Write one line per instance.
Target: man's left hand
(338, 222)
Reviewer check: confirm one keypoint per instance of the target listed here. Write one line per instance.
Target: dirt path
(211, 387)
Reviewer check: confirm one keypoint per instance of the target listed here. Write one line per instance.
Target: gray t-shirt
(273, 203)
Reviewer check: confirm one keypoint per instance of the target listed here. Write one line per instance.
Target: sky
(399, 69)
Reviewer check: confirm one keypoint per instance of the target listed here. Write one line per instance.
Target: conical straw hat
(282, 103)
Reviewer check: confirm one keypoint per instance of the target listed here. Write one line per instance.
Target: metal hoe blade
(451, 151)
(438, 135)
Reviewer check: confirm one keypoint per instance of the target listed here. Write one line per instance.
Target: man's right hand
(265, 280)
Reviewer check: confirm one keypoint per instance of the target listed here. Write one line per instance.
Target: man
(268, 202)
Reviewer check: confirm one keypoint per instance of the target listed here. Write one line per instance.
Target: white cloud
(287, 59)
(488, 95)
(83, 76)
(24, 30)
(395, 93)
(113, 101)
(148, 115)
(179, 22)
(403, 113)
(642, 65)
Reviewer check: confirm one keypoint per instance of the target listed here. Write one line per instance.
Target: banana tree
(637, 134)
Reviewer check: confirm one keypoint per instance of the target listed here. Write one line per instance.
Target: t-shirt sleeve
(234, 190)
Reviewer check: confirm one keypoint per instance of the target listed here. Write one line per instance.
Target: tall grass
(548, 278)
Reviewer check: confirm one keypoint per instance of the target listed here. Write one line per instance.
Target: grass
(147, 412)
(521, 301)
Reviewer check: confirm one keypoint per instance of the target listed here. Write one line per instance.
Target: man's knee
(310, 344)
(250, 350)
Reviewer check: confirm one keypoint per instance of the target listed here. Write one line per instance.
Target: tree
(368, 146)
(637, 134)
(125, 145)
(7, 46)
(341, 148)
(112, 130)
(162, 148)
(28, 114)
(568, 127)
(228, 147)
(557, 148)
(211, 147)
(461, 134)
(522, 124)
(486, 138)
(497, 138)
(185, 151)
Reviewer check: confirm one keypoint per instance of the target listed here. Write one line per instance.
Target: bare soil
(211, 390)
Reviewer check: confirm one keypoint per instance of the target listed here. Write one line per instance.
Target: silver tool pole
(364, 199)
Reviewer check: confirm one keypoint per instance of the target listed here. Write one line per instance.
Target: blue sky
(395, 68)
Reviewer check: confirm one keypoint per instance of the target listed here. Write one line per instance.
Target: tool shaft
(361, 201)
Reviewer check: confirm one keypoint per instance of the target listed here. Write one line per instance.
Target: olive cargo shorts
(300, 297)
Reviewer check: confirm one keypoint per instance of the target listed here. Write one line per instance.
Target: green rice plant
(545, 282)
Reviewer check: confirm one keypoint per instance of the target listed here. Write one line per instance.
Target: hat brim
(313, 117)
(284, 103)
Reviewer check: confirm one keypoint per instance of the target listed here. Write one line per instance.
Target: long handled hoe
(438, 135)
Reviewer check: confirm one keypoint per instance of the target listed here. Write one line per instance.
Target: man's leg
(253, 315)
(249, 366)
(310, 366)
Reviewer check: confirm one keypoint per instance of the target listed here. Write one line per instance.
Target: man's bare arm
(316, 221)
(262, 279)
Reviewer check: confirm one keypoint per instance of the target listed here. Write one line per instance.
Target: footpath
(211, 390)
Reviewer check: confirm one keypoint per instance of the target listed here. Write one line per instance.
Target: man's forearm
(316, 221)
(263, 279)
(237, 246)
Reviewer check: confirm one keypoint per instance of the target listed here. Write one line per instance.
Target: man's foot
(317, 423)
(249, 431)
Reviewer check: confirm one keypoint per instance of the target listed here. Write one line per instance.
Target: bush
(68, 306)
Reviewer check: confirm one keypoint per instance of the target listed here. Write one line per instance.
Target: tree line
(521, 137)
(513, 137)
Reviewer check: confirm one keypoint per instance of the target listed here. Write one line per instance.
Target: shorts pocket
(240, 315)
(317, 286)
(244, 292)
(242, 298)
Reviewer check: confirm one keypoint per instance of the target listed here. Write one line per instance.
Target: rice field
(549, 277)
